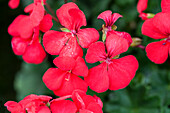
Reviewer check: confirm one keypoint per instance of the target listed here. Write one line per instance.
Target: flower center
(167, 40)
(108, 60)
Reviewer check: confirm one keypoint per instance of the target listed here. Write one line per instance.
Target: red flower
(65, 43)
(13, 3)
(158, 28)
(31, 104)
(63, 80)
(25, 39)
(110, 19)
(141, 6)
(112, 73)
(81, 103)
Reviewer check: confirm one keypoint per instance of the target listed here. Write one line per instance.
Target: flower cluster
(158, 27)
(112, 73)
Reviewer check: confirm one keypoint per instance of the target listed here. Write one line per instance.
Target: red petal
(63, 106)
(53, 78)
(14, 107)
(78, 19)
(71, 83)
(157, 52)
(34, 54)
(19, 45)
(37, 14)
(54, 41)
(63, 14)
(150, 30)
(13, 3)
(25, 28)
(44, 109)
(87, 36)
(64, 63)
(96, 52)
(161, 21)
(97, 78)
(122, 71)
(108, 17)
(142, 5)
(81, 99)
(124, 35)
(165, 5)
(29, 8)
(46, 23)
(116, 45)
(80, 67)
(72, 49)
(93, 105)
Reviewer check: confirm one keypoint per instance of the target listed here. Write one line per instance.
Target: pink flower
(31, 104)
(64, 79)
(25, 39)
(112, 73)
(81, 103)
(158, 28)
(110, 19)
(13, 3)
(65, 43)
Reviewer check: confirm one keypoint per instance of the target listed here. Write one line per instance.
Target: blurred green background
(149, 91)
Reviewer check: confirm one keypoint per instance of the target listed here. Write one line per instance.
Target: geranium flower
(64, 79)
(81, 103)
(109, 20)
(165, 5)
(25, 39)
(13, 3)
(112, 73)
(158, 28)
(30, 104)
(65, 43)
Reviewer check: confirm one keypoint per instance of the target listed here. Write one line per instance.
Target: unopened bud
(136, 41)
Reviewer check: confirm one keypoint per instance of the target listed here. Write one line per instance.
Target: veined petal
(34, 53)
(37, 14)
(161, 21)
(142, 5)
(14, 107)
(53, 78)
(96, 52)
(80, 67)
(124, 35)
(97, 78)
(63, 14)
(87, 36)
(122, 71)
(44, 109)
(157, 52)
(19, 45)
(150, 30)
(13, 3)
(63, 106)
(78, 19)
(93, 105)
(46, 23)
(71, 83)
(54, 41)
(72, 49)
(116, 45)
(65, 63)
(165, 5)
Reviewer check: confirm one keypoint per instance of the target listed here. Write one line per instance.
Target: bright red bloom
(64, 79)
(158, 28)
(81, 103)
(65, 43)
(110, 19)
(25, 39)
(112, 73)
(141, 6)
(31, 104)
(13, 3)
